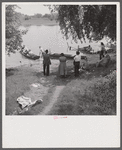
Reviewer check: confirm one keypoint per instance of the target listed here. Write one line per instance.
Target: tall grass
(83, 97)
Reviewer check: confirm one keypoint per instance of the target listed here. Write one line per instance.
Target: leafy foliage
(87, 21)
(13, 36)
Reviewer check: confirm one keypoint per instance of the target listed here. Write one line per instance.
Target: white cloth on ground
(25, 101)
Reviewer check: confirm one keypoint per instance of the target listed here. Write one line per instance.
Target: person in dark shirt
(102, 50)
(46, 63)
(104, 62)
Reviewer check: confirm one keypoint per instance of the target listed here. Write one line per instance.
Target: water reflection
(49, 37)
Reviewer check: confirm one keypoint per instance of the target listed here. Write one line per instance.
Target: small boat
(57, 55)
(68, 56)
(29, 55)
(86, 50)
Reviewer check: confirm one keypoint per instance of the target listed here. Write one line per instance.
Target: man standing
(77, 60)
(102, 50)
(46, 63)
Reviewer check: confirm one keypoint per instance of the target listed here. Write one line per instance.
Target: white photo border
(74, 131)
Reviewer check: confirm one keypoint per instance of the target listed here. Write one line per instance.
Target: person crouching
(77, 60)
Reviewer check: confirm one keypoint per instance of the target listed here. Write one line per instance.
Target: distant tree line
(13, 21)
(48, 16)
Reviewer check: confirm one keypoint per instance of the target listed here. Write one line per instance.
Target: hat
(62, 54)
(46, 50)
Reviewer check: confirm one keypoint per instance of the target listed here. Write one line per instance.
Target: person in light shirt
(77, 60)
(41, 52)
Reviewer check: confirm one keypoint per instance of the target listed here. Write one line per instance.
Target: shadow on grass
(10, 71)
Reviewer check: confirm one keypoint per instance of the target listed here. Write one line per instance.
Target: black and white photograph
(61, 60)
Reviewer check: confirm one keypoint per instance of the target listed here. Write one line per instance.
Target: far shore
(39, 22)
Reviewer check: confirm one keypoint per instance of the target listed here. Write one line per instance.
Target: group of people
(62, 69)
(26, 51)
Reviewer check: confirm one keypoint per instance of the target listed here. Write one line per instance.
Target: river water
(49, 37)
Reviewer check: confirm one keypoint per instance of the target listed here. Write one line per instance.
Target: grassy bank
(83, 97)
(20, 79)
(92, 93)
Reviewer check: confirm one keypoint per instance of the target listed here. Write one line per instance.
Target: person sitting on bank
(77, 60)
(46, 63)
(84, 64)
(104, 61)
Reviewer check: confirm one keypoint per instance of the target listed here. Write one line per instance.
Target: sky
(31, 9)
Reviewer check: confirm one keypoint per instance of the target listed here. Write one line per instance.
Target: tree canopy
(87, 21)
(13, 36)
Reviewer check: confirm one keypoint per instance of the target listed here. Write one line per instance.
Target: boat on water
(68, 56)
(57, 55)
(86, 50)
(29, 55)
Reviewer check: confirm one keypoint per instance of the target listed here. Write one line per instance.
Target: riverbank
(64, 96)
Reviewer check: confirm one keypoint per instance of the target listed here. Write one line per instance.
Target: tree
(13, 36)
(47, 16)
(38, 15)
(87, 21)
(27, 17)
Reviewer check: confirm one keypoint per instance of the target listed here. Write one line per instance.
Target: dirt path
(46, 91)
(53, 99)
